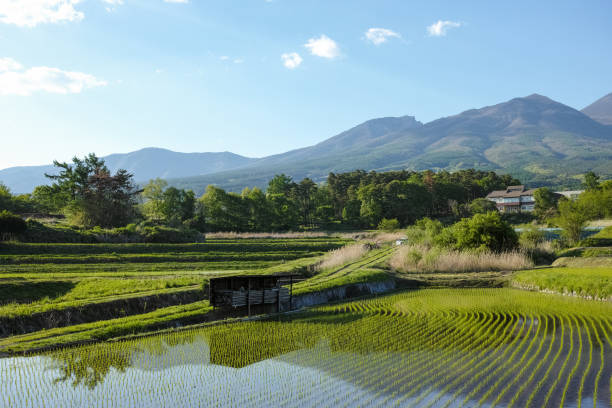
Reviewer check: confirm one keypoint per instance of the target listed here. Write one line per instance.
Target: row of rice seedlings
(455, 338)
(479, 358)
(377, 354)
(466, 351)
(527, 365)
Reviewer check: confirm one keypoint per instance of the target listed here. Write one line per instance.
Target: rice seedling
(433, 347)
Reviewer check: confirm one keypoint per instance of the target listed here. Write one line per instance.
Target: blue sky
(259, 77)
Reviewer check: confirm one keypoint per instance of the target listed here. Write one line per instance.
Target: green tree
(572, 218)
(224, 211)
(153, 195)
(5, 198)
(591, 181)
(283, 206)
(91, 194)
(177, 205)
(545, 202)
(389, 225)
(481, 206)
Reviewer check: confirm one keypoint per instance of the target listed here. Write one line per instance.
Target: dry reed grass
(266, 235)
(417, 258)
(388, 236)
(340, 256)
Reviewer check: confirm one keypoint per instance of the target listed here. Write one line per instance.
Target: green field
(79, 314)
(593, 282)
(434, 347)
(75, 290)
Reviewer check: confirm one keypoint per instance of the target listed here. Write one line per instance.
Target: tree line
(88, 194)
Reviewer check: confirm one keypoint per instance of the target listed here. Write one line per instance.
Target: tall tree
(591, 181)
(91, 194)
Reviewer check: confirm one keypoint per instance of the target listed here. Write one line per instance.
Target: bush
(424, 231)
(531, 237)
(11, 224)
(132, 233)
(486, 232)
(389, 225)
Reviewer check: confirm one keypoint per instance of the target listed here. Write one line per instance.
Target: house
(513, 199)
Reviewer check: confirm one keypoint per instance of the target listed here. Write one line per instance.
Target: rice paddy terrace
(425, 348)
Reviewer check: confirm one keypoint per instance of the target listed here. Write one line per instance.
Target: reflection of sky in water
(157, 374)
(184, 383)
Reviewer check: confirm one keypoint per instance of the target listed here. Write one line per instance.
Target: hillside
(600, 110)
(145, 164)
(535, 138)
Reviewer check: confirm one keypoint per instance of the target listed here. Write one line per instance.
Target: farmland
(84, 292)
(432, 347)
(130, 325)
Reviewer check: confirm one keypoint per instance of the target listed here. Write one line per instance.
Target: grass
(584, 262)
(105, 329)
(341, 256)
(49, 285)
(419, 258)
(367, 268)
(585, 282)
(587, 252)
(26, 298)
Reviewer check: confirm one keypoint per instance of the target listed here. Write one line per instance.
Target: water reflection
(329, 359)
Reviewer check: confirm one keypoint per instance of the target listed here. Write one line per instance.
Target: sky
(259, 77)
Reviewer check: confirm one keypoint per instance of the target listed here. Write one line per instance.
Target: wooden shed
(262, 293)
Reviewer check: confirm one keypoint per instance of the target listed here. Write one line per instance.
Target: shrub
(487, 232)
(531, 237)
(389, 225)
(11, 224)
(424, 231)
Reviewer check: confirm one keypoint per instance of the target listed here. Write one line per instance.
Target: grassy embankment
(593, 282)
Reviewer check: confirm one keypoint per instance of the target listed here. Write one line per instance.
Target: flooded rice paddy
(428, 348)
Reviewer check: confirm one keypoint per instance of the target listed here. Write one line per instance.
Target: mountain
(600, 110)
(145, 164)
(538, 140)
(535, 138)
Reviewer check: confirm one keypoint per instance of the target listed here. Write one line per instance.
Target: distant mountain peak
(600, 110)
(538, 97)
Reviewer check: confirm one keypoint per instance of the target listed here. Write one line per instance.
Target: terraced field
(426, 348)
(92, 291)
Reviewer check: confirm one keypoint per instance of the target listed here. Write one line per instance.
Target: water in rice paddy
(333, 359)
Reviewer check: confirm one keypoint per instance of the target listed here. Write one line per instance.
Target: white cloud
(439, 28)
(29, 13)
(378, 36)
(15, 80)
(176, 1)
(238, 60)
(9, 64)
(291, 60)
(112, 3)
(323, 47)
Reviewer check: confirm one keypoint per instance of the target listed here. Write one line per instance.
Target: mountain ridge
(145, 164)
(540, 140)
(600, 110)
